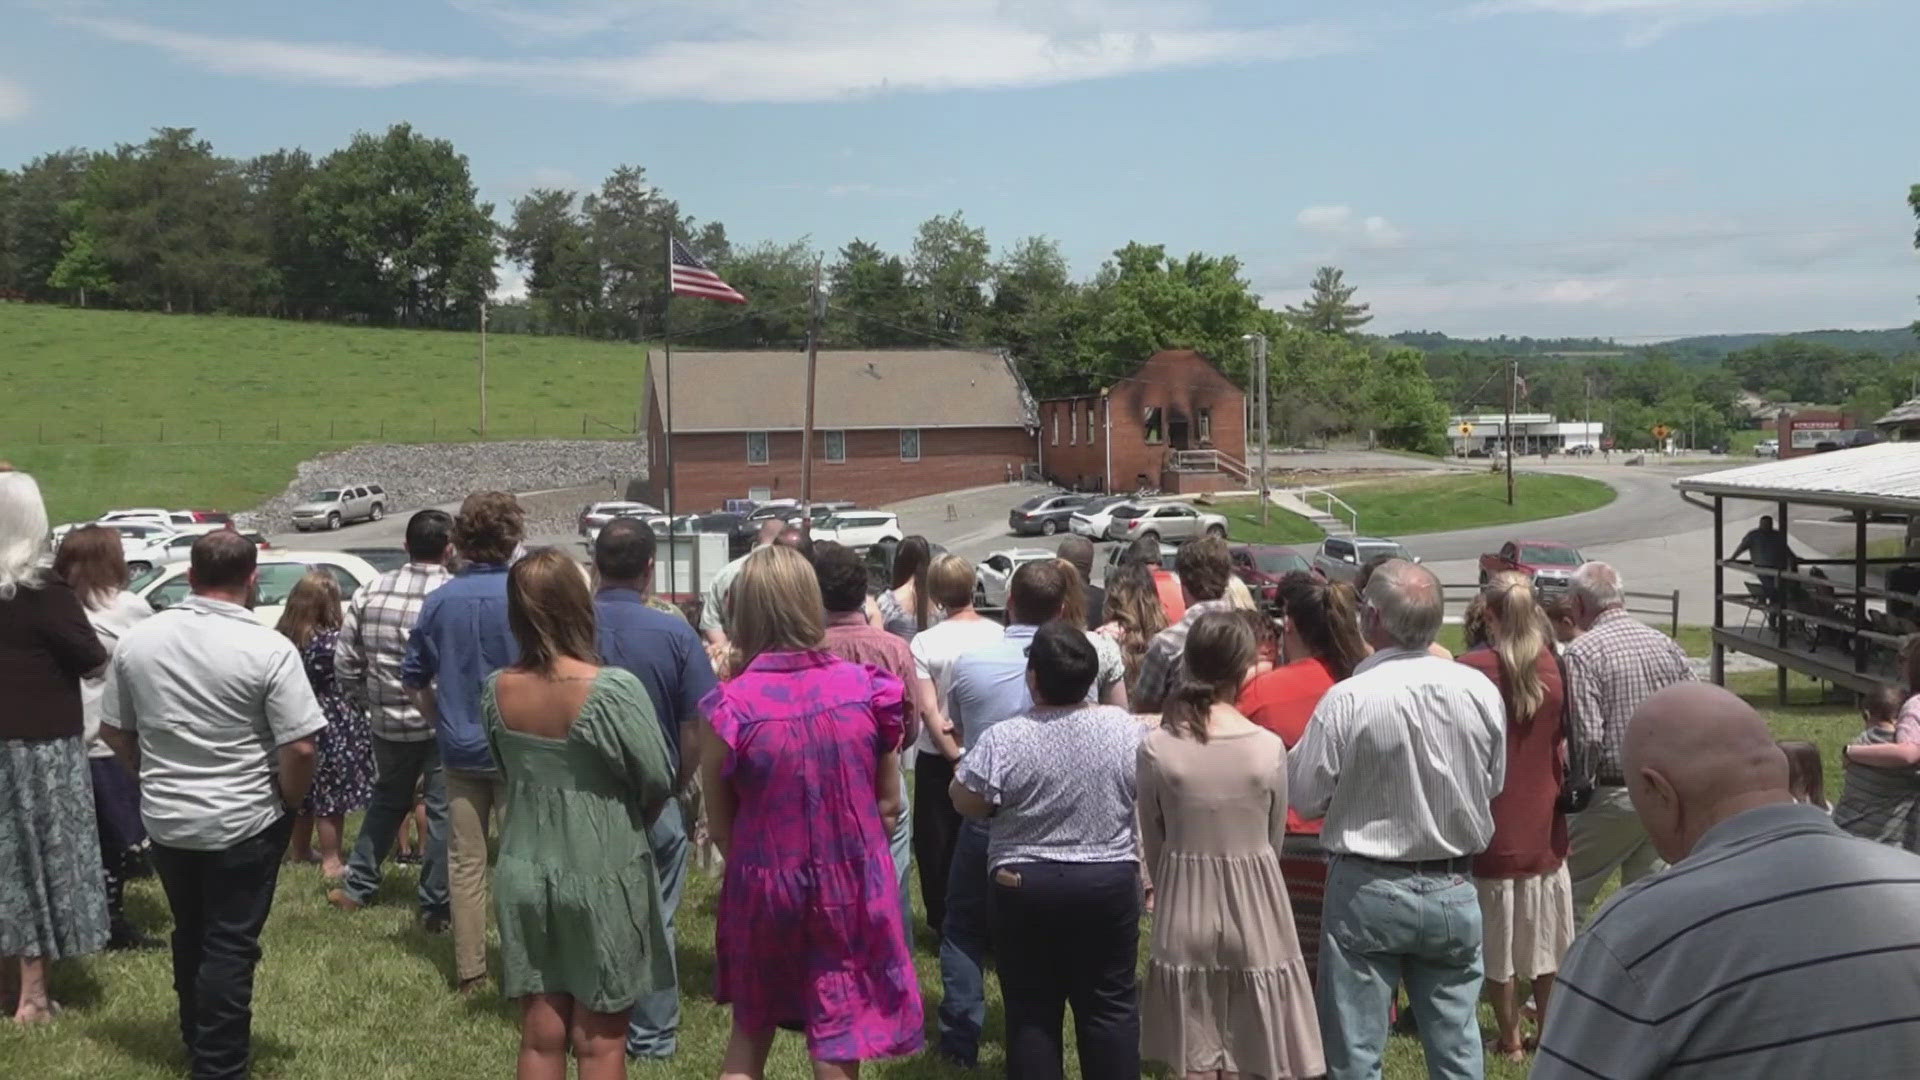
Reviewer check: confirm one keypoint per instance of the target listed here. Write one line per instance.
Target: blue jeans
(654, 1030)
(398, 767)
(963, 949)
(1381, 924)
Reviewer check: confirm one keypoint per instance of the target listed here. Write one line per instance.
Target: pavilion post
(1860, 590)
(1718, 669)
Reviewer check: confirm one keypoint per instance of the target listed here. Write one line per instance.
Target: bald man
(1775, 946)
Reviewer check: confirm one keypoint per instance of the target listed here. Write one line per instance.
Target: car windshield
(329, 495)
(145, 578)
(1373, 551)
(1129, 511)
(1544, 555)
(1278, 562)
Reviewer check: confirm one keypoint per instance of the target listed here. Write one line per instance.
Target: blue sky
(1632, 168)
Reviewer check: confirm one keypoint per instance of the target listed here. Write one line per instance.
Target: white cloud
(801, 51)
(14, 102)
(1341, 225)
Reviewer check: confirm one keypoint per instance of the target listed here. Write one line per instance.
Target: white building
(1532, 433)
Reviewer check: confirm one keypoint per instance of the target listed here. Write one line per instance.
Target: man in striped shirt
(1617, 664)
(1775, 946)
(1402, 761)
(373, 638)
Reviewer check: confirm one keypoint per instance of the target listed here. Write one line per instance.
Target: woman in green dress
(575, 887)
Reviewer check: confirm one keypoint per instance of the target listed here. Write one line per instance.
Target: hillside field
(114, 408)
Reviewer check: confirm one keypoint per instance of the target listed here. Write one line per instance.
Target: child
(1806, 774)
(1878, 803)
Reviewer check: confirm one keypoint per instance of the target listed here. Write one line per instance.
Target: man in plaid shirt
(373, 638)
(1204, 567)
(1614, 665)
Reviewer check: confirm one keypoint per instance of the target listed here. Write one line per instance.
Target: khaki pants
(1605, 837)
(471, 800)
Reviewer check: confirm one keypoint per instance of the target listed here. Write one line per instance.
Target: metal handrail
(1353, 516)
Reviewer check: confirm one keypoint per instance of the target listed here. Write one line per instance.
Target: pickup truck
(1549, 564)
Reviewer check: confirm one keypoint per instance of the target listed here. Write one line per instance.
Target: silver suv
(334, 507)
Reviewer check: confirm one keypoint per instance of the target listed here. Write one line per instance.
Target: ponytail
(1327, 618)
(1517, 630)
(1185, 711)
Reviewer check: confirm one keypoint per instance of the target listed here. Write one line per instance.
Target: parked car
(179, 546)
(594, 515)
(331, 508)
(1164, 521)
(879, 560)
(1584, 449)
(1548, 563)
(148, 514)
(1045, 514)
(992, 575)
(859, 528)
(1116, 552)
(1262, 566)
(1341, 557)
(1767, 448)
(165, 585)
(1092, 520)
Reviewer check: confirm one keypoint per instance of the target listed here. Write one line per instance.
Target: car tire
(1217, 532)
(333, 522)
(378, 512)
(1049, 527)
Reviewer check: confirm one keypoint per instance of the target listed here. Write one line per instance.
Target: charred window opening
(1156, 424)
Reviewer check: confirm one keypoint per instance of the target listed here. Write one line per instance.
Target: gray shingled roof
(1907, 412)
(1883, 476)
(877, 388)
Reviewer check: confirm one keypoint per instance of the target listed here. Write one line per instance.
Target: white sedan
(166, 585)
(1093, 519)
(995, 572)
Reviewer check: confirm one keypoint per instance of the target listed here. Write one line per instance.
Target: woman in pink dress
(801, 797)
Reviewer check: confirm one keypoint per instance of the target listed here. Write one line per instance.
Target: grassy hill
(111, 408)
(1707, 349)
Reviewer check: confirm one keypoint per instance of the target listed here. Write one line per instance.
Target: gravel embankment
(432, 474)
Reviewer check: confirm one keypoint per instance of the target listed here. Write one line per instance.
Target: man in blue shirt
(665, 654)
(463, 637)
(989, 685)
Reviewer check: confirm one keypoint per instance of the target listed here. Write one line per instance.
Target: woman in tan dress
(1227, 992)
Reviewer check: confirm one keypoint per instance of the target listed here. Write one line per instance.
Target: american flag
(690, 277)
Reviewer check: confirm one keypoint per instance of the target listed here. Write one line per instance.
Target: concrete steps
(1294, 504)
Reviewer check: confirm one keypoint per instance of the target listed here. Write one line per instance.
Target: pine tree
(1330, 310)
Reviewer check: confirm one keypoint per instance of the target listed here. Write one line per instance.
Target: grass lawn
(221, 409)
(1432, 503)
(367, 995)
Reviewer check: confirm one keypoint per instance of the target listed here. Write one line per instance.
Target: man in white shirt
(214, 713)
(1402, 760)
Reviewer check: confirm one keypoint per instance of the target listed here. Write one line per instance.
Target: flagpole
(666, 412)
(806, 432)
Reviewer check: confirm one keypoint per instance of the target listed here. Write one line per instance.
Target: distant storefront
(1531, 433)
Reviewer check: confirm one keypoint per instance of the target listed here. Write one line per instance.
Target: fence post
(583, 425)
(383, 430)
(1676, 614)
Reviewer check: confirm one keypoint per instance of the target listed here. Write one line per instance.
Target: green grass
(115, 408)
(1283, 526)
(1432, 503)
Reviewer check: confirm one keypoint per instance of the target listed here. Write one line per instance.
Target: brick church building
(1177, 423)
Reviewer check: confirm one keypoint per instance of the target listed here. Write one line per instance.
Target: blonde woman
(1526, 898)
(343, 776)
(802, 793)
(1135, 615)
(585, 765)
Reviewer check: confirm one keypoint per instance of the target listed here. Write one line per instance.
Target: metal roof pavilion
(1885, 476)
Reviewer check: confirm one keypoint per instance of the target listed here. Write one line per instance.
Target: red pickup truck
(1548, 563)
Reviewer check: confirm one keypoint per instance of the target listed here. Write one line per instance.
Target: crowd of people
(1333, 825)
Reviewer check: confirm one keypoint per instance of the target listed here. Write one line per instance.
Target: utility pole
(1592, 441)
(806, 432)
(1506, 430)
(483, 369)
(1259, 343)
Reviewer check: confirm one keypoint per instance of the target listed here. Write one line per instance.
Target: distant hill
(1705, 349)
